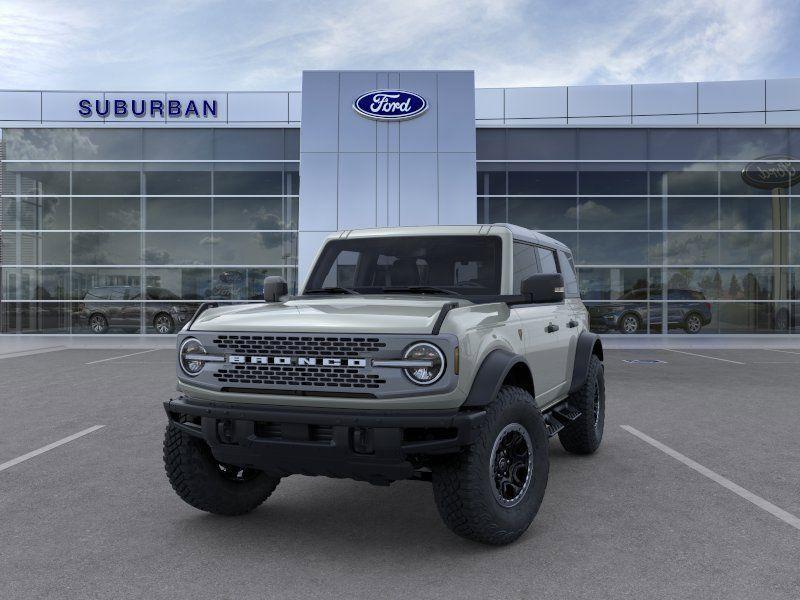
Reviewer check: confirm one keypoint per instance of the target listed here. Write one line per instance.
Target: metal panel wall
(358, 172)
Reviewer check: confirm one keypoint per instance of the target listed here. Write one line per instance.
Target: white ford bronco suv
(447, 354)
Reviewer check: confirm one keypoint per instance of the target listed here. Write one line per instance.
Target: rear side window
(568, 271)
(97, 294)
(547, 260)
(525, 264)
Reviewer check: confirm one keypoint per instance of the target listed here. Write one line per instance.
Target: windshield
(467, 265)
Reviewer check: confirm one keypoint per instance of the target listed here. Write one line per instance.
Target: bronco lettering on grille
(300, 361)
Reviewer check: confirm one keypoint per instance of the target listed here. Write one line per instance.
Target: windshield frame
(315, 281)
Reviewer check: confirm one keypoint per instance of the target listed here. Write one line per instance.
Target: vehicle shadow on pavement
(348, 518)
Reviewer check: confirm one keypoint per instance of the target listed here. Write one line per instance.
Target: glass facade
(128, 230)
(668, 236)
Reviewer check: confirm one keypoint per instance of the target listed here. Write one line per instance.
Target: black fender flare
(588, 344)
(490, 377)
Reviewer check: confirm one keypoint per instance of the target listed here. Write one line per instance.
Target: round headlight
(190, 352)
(422, 351)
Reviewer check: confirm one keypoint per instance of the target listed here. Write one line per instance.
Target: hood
(346, 314)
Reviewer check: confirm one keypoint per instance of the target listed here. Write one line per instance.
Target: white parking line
(31, 352)
(94, 362)
(784, 351)
(736, 362)
(716, 477)
(43, 449)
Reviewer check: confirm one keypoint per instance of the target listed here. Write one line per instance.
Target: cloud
(207, 44)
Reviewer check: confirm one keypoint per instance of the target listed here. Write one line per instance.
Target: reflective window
(177, 144)
(185, 183)
(179, 248)
(248, 144)
(541, 182)
(117, 183)
(613, 248)
(106, 213)
(541, 214)
(37, 213)
(144, 232)
(250, 182)
(106, 248)
(254, 213)
(178, 213)
(616, 213)
(567, 268)
(525, 264)
(613, 283)
(547, 260)
(263, 248)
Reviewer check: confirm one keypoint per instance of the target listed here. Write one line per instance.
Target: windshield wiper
(331, 290)
(420, 289)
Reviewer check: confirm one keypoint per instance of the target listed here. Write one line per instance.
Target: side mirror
(274, 287)
(544, 288)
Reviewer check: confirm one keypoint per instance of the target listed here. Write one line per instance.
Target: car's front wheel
(205, 483)
(491, 491)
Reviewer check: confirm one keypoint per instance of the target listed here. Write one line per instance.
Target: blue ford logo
(390, 105)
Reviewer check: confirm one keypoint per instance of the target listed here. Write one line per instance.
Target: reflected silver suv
(120, 306)
(440, 354)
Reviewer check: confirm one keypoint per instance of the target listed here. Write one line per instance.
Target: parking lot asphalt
(95, 517)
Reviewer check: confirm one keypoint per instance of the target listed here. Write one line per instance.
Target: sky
(207, 45)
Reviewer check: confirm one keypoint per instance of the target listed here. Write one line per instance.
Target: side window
(547, 259)
(525, 264)
(568, 270)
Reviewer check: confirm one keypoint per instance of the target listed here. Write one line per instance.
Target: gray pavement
(96, 517)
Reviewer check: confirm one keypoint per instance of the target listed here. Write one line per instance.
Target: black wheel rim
(511, 465)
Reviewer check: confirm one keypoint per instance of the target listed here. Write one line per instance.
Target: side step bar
(559, 417)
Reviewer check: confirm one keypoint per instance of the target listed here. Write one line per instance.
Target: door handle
(572, 324)
(551, 328)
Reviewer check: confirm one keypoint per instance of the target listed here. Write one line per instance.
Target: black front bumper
(375, 446)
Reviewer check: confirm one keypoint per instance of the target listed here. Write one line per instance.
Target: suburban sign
(390, 105)
(148, 107)
(770, 172)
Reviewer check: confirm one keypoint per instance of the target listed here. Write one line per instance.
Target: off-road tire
(584, 434)
(463, 483)
(200, 481)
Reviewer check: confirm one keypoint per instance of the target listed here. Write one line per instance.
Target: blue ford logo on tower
(390, 105)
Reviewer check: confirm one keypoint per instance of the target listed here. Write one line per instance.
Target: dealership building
(676, 199)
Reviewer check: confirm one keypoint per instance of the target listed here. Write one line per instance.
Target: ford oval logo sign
(390, 105)
(770, 172)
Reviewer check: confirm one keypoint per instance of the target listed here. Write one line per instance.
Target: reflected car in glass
(108, 307)
(634, 313)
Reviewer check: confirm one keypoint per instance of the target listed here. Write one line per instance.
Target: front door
(546, 343)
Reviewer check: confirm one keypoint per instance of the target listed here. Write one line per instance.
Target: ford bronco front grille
(297, 376)
(294, 345)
